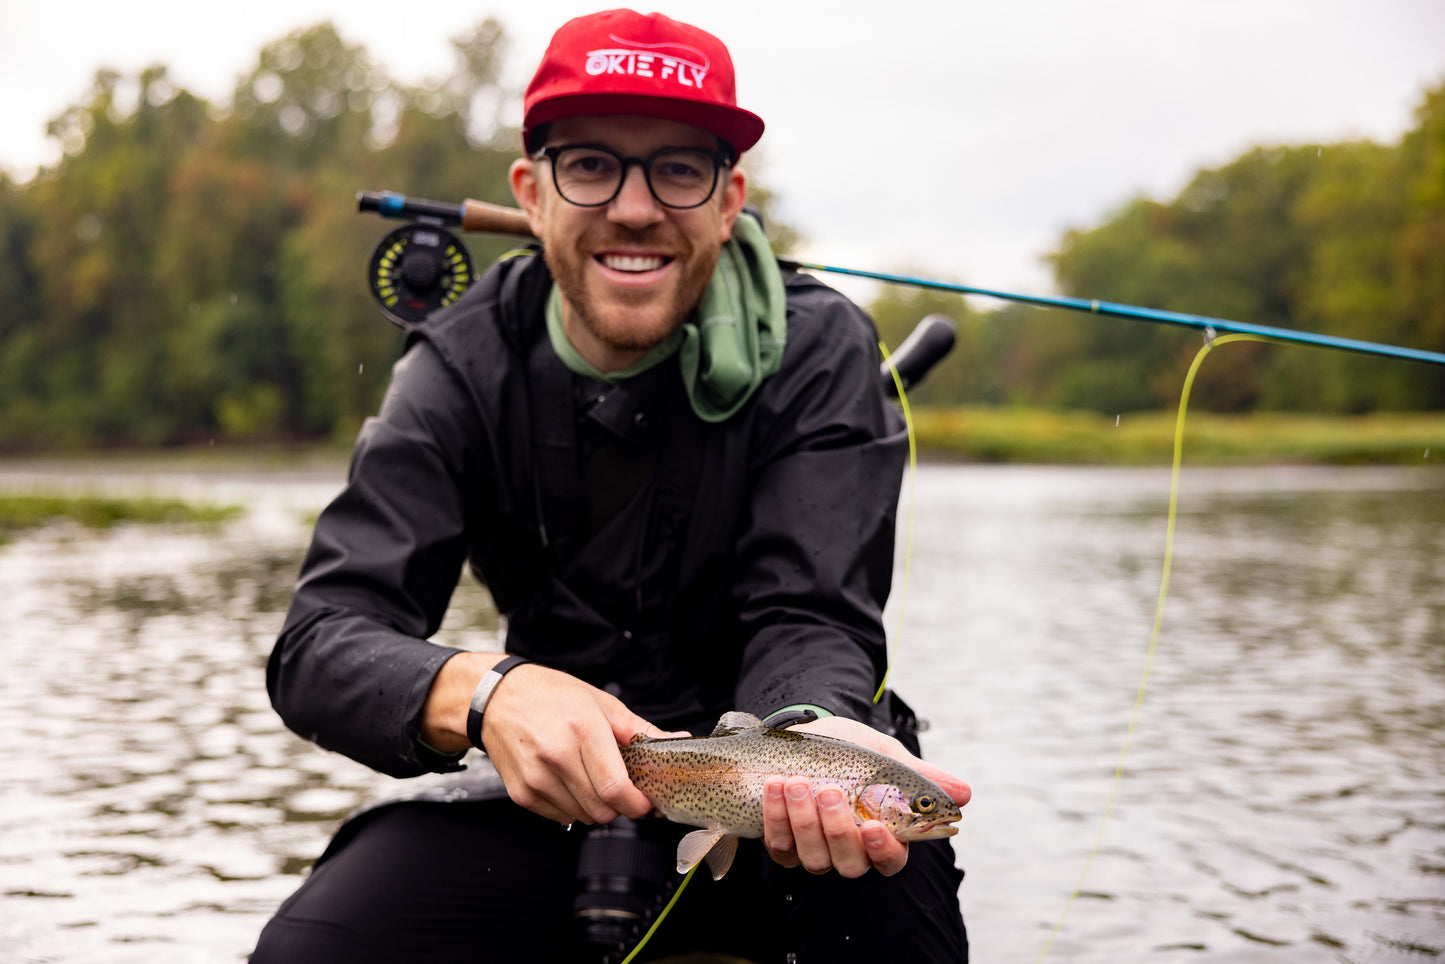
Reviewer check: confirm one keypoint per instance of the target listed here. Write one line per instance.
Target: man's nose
(634, 205)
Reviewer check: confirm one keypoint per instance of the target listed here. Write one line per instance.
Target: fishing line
(661, 917)
(1173, 513)
(908, 523)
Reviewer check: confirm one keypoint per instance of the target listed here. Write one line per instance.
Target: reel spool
(417, 269)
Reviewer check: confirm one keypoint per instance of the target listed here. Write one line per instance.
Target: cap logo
(639, 60)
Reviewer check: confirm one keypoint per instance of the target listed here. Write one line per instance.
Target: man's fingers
(550, 799)
(609, 790)
(627, 724)
(820, 833)
(886, 852)
(648, 730)
(845, 842)
(777, 829)
(551, 779)
(808, 840)
(554, 740)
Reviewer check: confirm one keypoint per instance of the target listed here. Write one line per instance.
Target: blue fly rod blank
(1114, 310)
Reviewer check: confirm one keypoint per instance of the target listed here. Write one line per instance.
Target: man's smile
(633, 262)
(634, 271)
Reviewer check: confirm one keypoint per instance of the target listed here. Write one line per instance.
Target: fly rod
(481, 217)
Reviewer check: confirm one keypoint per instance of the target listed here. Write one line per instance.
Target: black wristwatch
(483, 694)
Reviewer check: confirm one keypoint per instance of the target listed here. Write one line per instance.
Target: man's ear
(523, 176)
(734, 196)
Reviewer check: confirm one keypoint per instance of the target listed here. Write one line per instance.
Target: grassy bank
(19, 512)
(965, 434)
(1022, 435)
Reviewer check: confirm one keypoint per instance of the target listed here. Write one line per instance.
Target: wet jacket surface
(687, 567)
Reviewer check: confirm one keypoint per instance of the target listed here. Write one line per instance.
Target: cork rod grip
(494, 219)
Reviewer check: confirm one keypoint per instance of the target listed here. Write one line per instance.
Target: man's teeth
(632, 262)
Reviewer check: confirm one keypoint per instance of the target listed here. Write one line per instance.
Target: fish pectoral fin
(695, 846)
(717, 846)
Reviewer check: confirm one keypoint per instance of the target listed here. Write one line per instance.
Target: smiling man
(631, 246)
(676, 471)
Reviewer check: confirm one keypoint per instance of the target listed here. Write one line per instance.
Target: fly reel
(417, 269)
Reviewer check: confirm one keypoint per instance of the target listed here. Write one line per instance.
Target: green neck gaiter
(734, 340)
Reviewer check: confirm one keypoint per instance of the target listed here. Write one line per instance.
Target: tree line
(1346, 239)
(193, 271)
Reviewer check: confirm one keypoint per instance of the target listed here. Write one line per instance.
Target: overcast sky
(958, 138)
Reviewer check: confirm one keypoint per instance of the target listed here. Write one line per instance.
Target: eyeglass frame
(720, 159)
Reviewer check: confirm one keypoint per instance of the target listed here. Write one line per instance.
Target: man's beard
(632, 320)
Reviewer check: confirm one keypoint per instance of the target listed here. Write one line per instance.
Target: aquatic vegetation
(23, 511)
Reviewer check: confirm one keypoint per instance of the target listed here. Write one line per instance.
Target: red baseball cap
(623, 62)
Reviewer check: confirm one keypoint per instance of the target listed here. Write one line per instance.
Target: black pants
(491, 882)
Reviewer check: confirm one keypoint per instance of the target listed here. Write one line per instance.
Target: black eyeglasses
(678, 177)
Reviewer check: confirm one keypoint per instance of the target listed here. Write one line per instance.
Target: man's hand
(552, 738)
(820, 833)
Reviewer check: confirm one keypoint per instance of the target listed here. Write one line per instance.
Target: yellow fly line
(1153, 636)
(661, 916)
(908, 519)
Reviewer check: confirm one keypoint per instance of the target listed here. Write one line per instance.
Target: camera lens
(625, 873)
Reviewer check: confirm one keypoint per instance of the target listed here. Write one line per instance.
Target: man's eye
(677, 170)
(589, 165)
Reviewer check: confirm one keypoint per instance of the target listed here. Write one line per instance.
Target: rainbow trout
(716, 783)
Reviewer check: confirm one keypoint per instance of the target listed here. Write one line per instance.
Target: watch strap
(792, 715)
(483, 693)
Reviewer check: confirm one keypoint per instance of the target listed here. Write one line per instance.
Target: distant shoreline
(1032, 436)
(976, 435)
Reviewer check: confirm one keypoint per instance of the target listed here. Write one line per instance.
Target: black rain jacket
(688, 568)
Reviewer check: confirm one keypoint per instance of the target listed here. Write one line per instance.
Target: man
(676, 472)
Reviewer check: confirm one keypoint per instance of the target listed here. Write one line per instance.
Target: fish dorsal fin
(695, 846)
(736, 720)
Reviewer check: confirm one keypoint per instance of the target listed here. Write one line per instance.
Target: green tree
(1346, 239)
(94, 242)
(1229, 246)
(1420, 250)
(308, 102)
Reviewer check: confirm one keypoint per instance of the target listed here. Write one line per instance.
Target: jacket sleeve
(815, 560)
(352, 666)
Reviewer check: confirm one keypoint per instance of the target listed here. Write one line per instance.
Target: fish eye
(925, 803)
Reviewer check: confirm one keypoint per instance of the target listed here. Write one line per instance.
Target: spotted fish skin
(716, 782)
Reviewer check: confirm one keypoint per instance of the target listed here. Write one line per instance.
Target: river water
(1283, 798)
